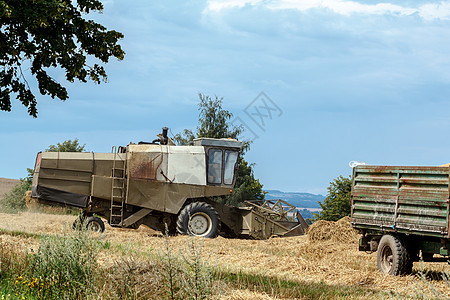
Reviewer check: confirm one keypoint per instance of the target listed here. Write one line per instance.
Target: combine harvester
(160, 185)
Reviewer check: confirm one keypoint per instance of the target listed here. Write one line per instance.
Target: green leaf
(51, 34)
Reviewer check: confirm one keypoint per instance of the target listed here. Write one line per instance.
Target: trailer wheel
(199, 219)
(393, 257)
(95, 224)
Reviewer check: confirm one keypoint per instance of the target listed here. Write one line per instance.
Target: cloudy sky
(316, 83)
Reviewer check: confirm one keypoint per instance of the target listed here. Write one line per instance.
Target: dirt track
(294, 258)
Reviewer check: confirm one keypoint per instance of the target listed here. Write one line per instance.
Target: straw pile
(31, 203)
(340, 231)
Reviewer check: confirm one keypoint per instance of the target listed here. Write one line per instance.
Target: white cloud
(436, 11)
(217, 5)
(343, 7)
(346, 8)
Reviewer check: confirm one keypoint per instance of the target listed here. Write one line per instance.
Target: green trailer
(402, 213)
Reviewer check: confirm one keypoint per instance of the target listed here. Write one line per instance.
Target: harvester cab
(158, 184)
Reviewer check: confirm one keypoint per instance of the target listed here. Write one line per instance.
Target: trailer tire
(95, 224)
(199, 219)
(393, 257)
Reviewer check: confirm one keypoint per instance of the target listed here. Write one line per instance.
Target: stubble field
(324, 264)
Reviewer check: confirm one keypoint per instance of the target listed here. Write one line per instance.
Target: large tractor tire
(393, 257)
(199, 219)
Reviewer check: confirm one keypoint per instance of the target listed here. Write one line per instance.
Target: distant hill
(306, 200)
(6, 185)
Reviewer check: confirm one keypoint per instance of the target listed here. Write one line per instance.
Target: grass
(62, 268)
(277, 287)
(57, 210)
(21, 233)
(172, 273)
(66, 267)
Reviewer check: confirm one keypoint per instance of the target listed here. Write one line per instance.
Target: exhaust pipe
(164, 139)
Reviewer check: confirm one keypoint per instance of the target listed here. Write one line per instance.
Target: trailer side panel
(410, 200)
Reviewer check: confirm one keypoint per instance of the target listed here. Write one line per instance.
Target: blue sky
(346, 80)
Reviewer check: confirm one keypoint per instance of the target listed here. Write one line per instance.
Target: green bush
(337, 203)
(62, 268)
(14, 201)
(66, 265)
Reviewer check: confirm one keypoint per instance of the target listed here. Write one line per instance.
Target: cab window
(214, 166)
(230, 163)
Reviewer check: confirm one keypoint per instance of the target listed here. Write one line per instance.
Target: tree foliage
(247, 187)
(214, 122)
(337, 203)
(213, 119)
(43, 34)
(67, 146)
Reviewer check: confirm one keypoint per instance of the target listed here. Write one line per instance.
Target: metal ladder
(118, 189)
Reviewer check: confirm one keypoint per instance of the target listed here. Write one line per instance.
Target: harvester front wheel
(95, 224)
(199, 219)
(393, 257)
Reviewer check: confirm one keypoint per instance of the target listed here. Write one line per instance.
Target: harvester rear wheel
(393, 257)
(199, 219)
